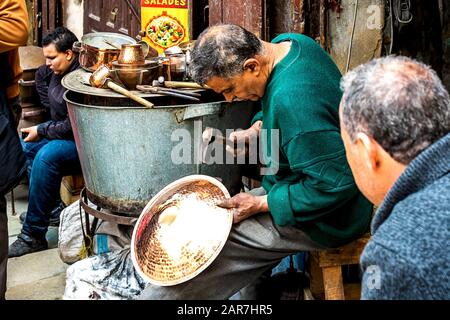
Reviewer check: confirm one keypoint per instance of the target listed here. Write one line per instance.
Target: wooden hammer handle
(181, 84)
(130, 95)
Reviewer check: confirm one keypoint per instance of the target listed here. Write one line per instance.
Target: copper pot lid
(78, 81)
(181, 231)
(97, 40)
(31, 57)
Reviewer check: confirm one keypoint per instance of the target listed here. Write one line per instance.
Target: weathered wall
(367, 39)
(73, 16)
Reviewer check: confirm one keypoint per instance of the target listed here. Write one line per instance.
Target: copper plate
(181, 231)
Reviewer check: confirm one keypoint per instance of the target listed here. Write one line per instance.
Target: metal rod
(133, 11)
(169, 92)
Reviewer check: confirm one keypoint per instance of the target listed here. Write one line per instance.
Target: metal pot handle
(27, 83)
(35, 113)
(77, 47)
(145, 47)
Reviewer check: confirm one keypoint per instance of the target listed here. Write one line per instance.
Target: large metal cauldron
(125, 149)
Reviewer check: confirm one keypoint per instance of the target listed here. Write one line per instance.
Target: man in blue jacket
(395, 123)
(49, 147)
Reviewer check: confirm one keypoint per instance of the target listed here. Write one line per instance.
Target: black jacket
(51, 94)
(12, 159)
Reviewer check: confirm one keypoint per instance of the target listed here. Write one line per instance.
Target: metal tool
(177, 84)
(193, 96)
(100, 79)
(111, 44)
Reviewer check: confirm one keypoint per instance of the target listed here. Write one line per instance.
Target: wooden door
(44, 16)
(119, 16)
(52, 15)
(249, 14)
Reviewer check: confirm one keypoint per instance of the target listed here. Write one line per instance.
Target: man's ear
(368, 148)
(252, 65)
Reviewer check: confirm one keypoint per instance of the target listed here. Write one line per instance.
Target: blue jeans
(50, 161)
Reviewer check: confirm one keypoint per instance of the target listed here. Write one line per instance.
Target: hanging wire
(351, 38)
(391, 13)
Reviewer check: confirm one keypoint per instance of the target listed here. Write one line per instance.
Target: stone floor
(36, 276)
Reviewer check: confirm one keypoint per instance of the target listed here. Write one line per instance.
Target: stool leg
(333, 284)
(315, 277)
(13, 203)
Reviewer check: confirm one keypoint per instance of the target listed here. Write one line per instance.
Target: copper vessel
(94, 51)
(132, 54)
(181, 231)
(132, 75)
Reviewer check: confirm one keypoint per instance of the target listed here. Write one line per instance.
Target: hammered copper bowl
(131, 75)
(181, 231)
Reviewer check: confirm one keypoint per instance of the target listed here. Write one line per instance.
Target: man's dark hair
(399, 102)
(61, 37)
(221, 50)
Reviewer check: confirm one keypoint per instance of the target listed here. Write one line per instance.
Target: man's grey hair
(399, 102)
(220, 51)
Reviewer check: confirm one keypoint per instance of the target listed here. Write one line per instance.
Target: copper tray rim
(163, 195)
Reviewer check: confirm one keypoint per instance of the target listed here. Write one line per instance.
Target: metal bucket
(125, 150)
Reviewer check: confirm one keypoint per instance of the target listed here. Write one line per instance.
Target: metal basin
(125, 150)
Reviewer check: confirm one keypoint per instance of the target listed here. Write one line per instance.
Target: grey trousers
(3, 246)
(253, 246)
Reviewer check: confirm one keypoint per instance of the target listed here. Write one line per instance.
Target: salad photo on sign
(165, 31)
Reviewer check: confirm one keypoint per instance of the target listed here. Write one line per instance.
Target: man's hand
(245, 205)
(32, 134)
(244, 138)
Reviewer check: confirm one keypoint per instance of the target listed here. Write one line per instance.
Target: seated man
(312, 202)
(49, 146)
(395, 121)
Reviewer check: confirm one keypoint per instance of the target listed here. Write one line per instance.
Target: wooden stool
(71, 187)
(325, 271)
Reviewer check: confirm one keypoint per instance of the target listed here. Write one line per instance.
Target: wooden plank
(73, 183)
(44, 17)
(51, 14)
(322, 24)
(248, 14)
(333, 285)
(348, 254)
(215, 12)
(70, 188)
(286, 16)
(352, 291)
(298, 17)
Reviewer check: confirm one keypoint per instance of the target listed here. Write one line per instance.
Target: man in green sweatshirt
(312, 201)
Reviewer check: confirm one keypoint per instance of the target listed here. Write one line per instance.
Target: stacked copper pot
(131, 67)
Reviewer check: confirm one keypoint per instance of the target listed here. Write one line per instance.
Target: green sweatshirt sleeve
(257, 117)
(322, 182)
